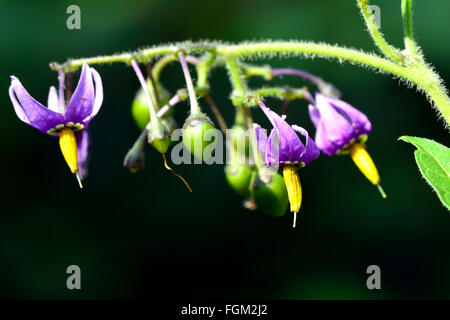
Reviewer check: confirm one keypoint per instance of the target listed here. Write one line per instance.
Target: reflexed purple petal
(83, 152)
(81, 103)
(358, 119)
(314, 114)
(30, 111)
(261, 138)
(273, 149)
(52, 102)
(98, 96)
(290, 146)
(311, 152)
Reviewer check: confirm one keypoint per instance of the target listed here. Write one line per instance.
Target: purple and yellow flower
(66, 121)
(342, 129)
(284, 148)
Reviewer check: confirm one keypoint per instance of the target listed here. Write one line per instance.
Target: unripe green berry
(139, 106)
(194, 130)
(159, 136)
(239, 177)
(139, 110)
(271, 197)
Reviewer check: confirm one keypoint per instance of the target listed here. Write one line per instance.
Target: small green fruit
(139, 110)
(270, 197)
(161, 144)
(194, 135)
(239, 177)
(139, 107)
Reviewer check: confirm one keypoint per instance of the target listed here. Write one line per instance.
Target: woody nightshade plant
(407, 64)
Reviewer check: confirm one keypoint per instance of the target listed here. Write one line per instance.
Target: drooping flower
(284, 148)
(342, 129)
(66, 121)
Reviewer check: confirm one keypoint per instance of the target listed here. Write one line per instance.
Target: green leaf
(433, 160)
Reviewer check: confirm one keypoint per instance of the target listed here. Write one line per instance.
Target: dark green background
(144, 235)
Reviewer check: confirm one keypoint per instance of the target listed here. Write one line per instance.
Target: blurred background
(141, 235)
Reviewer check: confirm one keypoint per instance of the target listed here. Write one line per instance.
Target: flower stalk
(408, 31)
(195, 108)
(389, 51)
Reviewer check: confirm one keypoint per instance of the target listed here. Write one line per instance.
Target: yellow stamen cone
(365, 164)
(294, 189)
(68, 145)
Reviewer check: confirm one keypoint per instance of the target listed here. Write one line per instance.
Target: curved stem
(283, 93)
(195, 109)
(378, 38)
(164, 61)
(324, 87)
(161, 64)
(154, 92)
(138, 72)
(236, 76)
(203, 68)
(73, 65)
(217, 114)
(428, 82)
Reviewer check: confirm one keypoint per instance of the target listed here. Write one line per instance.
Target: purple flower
(82, 107)
(69, 121)
(283, 146)
(342, 129)
(338, 125)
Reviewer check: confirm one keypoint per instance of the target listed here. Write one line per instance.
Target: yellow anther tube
(294, 189)
(365, 164)
(68, 145)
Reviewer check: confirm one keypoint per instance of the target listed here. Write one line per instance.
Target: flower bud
(239, 177)
(269, 194)
(194, 131)
(135, 158)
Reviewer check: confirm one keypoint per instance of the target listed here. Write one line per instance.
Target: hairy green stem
(236, 76)
(284, 93)
(428, 81)
(203, 68)
(377, 36)
(408, 32)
